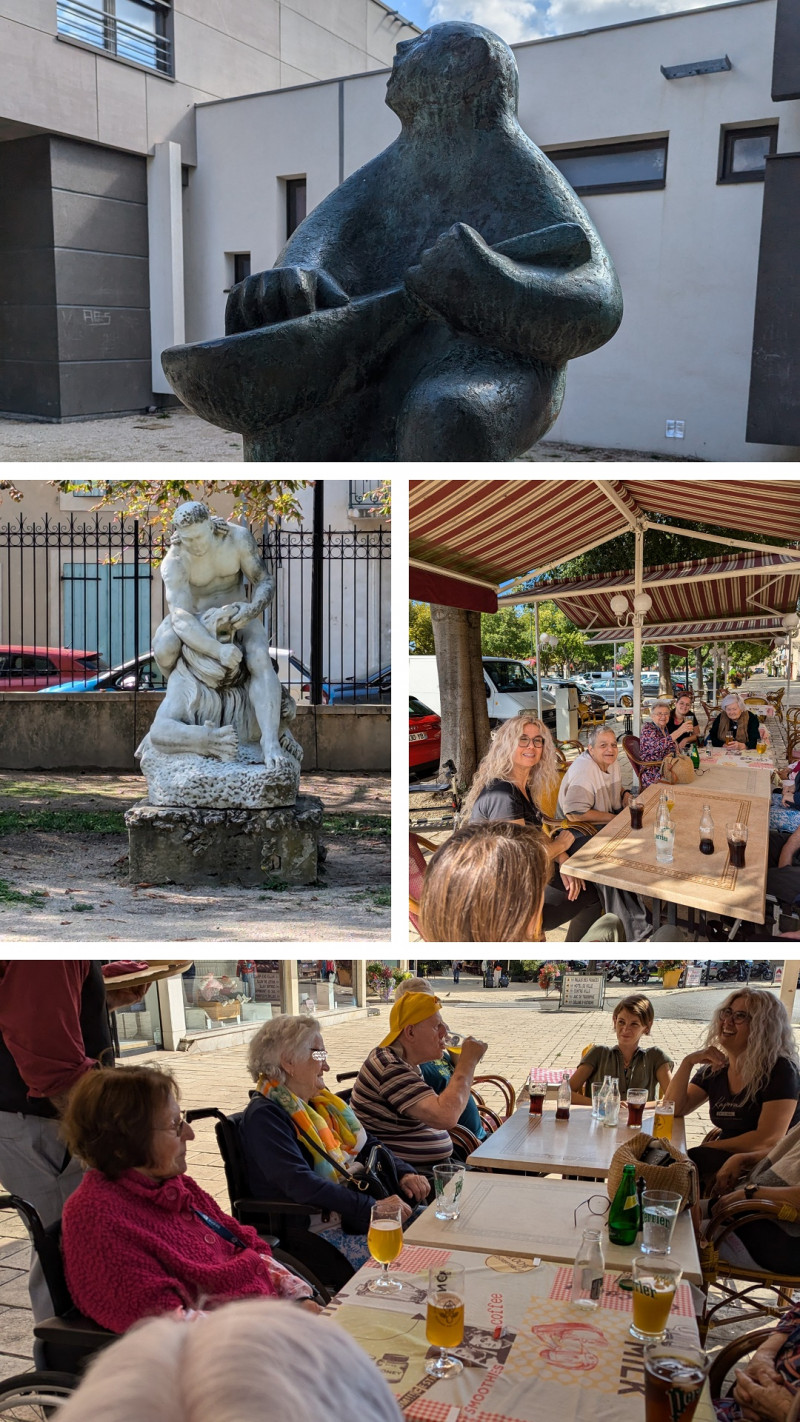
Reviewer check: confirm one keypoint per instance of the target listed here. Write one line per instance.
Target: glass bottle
(587, 1271)
(564, 1099)
(662, 810)
(604, 1090)
(694, 755)
(706, 832)
(611, 1113)
(623, 1217)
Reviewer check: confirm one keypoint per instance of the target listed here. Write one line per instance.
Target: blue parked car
(375, 688)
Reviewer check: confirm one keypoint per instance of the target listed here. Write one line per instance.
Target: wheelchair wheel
(35, 1396)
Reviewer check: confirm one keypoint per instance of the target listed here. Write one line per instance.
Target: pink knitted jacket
(133, 1249)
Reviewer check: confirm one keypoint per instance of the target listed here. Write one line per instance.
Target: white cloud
(529, 19)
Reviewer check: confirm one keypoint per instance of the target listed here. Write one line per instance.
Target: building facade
(97, 149)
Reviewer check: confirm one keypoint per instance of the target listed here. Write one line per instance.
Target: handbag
(375, 1175)
(679, 1175)
(677, 770)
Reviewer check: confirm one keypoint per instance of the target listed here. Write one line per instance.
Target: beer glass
(637, 810)
(538, 1090)
(737, 843)
(385, 1241)
(655, 1279)
(635, 1102)
(674, 1374)
(444, 1320)
(663, 1116)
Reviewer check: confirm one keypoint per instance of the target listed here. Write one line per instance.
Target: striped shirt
(385, 1088)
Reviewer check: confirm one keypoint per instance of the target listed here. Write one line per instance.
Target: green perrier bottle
(694, 755)
(623, 1218)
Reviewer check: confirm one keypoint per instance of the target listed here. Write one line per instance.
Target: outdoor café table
(510, 1214)
(624, 858)
(529, 1355)
(580, 1146)
(748, 772)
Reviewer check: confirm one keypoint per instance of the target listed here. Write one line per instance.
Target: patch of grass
(83, 908)
(10, 895)
(63, 821)
(275, 886)
(345, 823)
(380, 898)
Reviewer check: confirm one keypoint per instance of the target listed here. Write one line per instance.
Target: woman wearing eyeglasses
(287, 1061)
(516, 774)
(749, 1076)
(139, 1236)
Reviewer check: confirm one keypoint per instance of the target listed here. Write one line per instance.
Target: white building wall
(687, 255)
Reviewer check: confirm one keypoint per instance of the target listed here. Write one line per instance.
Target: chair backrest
(626, 701)
(630, 745)
(226, 1130)
(417, 866)
(548, 799)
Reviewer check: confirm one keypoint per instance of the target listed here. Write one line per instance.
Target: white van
(510, 688)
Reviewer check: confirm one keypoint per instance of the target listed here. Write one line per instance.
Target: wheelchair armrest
(75, 1329)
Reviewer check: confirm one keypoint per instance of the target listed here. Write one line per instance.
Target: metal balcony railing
(365, 495)
(98, 24)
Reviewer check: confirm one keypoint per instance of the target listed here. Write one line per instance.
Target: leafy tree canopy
(260, 501)
(420, 630)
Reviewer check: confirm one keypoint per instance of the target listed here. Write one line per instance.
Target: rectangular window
(241, 266)
(614, 167)
(130, 29)
(295, 203)
(743, 152)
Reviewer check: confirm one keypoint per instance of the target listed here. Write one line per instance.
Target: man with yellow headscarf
(392, 1099)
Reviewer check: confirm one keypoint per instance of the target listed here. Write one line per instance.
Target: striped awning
(740, 585)
(684, 634)
(468, 536)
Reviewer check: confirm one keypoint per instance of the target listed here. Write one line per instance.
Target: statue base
(180, 844)
(198, 781)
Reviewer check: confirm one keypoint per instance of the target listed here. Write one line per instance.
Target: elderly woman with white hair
(252, 1362)
(592, 787)
(735, 723)
(287, 1061)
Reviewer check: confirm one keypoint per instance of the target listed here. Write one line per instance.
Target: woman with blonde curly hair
(516, 773)
(749, 1076)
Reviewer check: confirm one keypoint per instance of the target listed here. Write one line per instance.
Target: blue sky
(528, 19)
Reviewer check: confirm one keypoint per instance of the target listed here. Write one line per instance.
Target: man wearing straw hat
(391, 1098)
(54, 1027)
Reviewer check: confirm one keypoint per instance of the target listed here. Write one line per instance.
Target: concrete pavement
(522, 1027)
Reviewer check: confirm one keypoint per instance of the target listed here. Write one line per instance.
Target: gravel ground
(175, 436)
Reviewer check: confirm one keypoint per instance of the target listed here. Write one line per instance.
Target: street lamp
(634, 617)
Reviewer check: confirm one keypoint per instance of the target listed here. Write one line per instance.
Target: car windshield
(93, 663)
(511, 676)
(416, 708)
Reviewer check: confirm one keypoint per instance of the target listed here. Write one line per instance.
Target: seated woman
(768, 1386)
(438, 1073)
(749, 1075)
(655, 742)
(763, 1174)
(287, 1061)
(632, 1064)
(139, 1236)
(251, 1361)
(516, 771)
(735, 723)
(683, 721)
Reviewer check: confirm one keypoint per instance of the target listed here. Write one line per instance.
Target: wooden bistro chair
(776, 698)
(417, 865)
(631, 747)
(745, 1289)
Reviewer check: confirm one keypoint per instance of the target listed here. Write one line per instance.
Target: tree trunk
(664, 673)
(698, 670)
(465, 719)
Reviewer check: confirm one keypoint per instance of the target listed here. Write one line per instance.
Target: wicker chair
(776, 699)
(417, 865)
(503, 1086)
(736, 1285)
(630, 745)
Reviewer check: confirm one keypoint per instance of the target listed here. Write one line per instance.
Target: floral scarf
(327, 1119)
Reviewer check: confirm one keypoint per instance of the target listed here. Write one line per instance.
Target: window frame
(107, 19)
(728, 134)
(292, 186)
(602, 150)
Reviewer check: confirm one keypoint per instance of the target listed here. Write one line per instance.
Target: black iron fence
(81, 595)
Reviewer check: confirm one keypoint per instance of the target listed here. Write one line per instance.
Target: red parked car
(424, 736)
(26, 668)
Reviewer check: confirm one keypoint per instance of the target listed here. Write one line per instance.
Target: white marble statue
(221, 735)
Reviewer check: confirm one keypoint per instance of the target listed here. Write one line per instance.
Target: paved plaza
(522, 1027)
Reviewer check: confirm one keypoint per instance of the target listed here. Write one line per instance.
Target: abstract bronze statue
(425, 309)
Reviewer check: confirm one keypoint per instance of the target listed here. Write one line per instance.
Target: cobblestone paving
(522, 1027)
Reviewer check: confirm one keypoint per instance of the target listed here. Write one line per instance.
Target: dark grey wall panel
(105, 387)
(29, 277)
(103, 333)
(773, 415)
(25, 164)
(28, 388)
(28, 333)
(26, 218)
(786, 62)
(102, 172)
(96, 224)
(101, 279)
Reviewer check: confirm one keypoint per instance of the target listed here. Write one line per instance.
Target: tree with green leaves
(259, 501)
(420, 630)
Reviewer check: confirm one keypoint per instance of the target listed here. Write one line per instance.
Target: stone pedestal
(171, 844)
